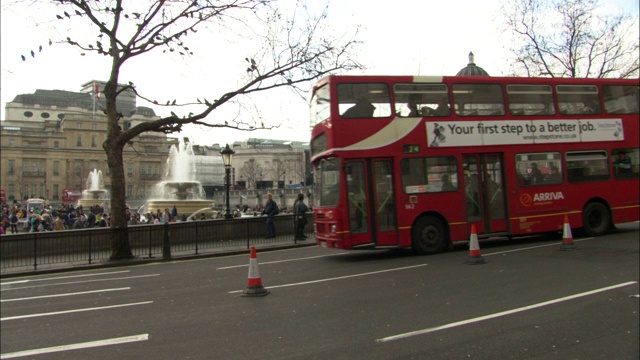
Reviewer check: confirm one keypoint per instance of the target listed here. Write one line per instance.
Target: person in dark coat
(300, 210)
(271, 210)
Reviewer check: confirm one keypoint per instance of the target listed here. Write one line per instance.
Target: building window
(12, 166)
(28, 114)
(60, 116)
(129, 169)
(55, 192)
(94, 141)
(79, 125)
(79, 140)
(78, 169)
(56, 144)
(129, 191)
(45, 115)
(12, 142)
(94, 126)
(56, 168)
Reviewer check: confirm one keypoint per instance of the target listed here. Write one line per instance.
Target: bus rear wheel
(596, 219)
(428, 236)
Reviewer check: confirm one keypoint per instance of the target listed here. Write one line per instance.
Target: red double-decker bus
(413, 162)
(71, 195)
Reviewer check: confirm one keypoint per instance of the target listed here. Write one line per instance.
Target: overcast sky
(401, 37)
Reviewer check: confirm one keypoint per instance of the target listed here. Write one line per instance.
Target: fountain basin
(88, 203)
(183, 206)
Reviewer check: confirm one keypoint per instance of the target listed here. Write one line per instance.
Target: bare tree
(570, 38)
(251, 170)
(279, 169)
(297, 169)
(293, 51)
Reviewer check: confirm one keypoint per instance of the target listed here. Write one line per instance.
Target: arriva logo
(537, 199)
(548, 196)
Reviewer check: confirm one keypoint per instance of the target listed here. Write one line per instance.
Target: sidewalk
(175, 256)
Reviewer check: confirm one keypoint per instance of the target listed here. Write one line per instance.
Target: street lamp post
(227, 155)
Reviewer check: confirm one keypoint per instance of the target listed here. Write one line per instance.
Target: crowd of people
(16, 218)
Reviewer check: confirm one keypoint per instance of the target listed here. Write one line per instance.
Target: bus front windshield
(320, 106)
(327, 180)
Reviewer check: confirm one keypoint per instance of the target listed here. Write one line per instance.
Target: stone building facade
(52, 139)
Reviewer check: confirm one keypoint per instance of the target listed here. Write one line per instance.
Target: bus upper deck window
(478, 99)
(530, 99)
(578, 99)
(621, 99)
(421, 100)
(363, 100)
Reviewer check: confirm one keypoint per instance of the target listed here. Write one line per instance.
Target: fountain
(95, 193)
(179, 189)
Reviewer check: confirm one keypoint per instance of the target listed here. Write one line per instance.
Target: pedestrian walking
(271, 210)
(14, 223)
(300, 210)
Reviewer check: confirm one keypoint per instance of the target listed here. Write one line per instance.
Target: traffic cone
(567, 238)
(254, 286)
(474, 249)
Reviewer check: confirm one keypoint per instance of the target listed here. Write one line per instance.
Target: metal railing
(88, 246)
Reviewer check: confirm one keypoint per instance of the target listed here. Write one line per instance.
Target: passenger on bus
(442, 109)
(535, 175)
(413, 105)
(554, 176)
(446, 183)
(495, 197)
(623, 163)
(473, 199)
(594, 107)
(362, 109)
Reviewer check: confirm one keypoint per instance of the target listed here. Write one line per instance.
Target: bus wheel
(428, 236)
(596, 219)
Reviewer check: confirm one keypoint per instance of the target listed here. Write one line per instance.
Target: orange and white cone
(474, 249)
(567, 238)
(254, 285)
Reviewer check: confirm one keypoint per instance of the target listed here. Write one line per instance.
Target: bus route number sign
(411, 149)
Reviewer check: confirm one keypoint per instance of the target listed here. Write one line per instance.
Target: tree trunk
(120, 246)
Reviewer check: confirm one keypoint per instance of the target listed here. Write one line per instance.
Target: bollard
(166, 244)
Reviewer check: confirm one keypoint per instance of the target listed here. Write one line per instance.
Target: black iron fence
(87, 246)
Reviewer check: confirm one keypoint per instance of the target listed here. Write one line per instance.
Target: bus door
(371, 202)
(485, 193)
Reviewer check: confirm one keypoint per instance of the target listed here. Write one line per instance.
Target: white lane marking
(503, 313)
(337, 278)
(73, 311)
(63, 277)
(80, 282)
(532, 247)
(78, 346)
(280, 261)
(67, 294)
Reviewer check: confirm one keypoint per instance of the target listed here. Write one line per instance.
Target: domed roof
(471, 69)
